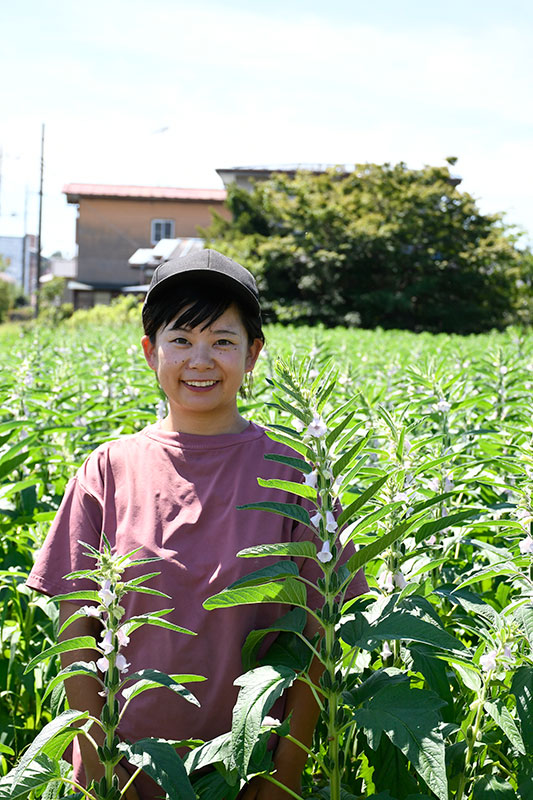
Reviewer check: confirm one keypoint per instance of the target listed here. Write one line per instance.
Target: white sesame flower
(120, 663)
(401, 497)
(504, 370)
(434, 484)
(448, 484)
(331, 522)
(315, 519)
(399, 579)
(488, 660)
(106, 594)
(526, 545)
(443, 406)
(298, 425)
(122, 637)
(431, 540)
(107, 642)
(386, 581)
(103, 664)
(91, 611)
(386, 652)
(325, 554)
(313, 373)
(507, 653)
(270, 722)
(161, 410)
(311, 479)
(317, 427)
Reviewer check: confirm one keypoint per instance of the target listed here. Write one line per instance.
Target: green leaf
(89, 595)
(56, 726)
(378, 680)
(281, 569)
(154, 679)
(7, 750)
(299, 489)
(406, 626)
(303, 549)
(260, 688)
(290, 592)
(370, 551)
(489, 787)
(212, 752)
(151, 619)
(160, 761)
(363, 498)
(297, 463)
(293, 621)
(410, 719)
(39, 772)
(290, 510)
(77, 668)
(347, 457)
(502, 717)
(522, 688)
(469, 676)
(436, 525)
(79, 643)
(290, 441)
(334, 434)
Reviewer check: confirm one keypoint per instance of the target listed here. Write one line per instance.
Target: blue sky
(164, 92)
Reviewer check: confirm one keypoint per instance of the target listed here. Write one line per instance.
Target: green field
(448, 418)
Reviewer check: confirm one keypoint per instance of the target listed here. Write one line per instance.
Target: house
(20, 255)
(115, 221)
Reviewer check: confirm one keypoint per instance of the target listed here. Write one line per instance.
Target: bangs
(203, 312)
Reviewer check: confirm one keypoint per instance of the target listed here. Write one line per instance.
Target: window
(162, 229)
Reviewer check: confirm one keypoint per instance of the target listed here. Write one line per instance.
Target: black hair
(196, 305)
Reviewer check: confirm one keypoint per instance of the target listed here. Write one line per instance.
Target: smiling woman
(172, 490)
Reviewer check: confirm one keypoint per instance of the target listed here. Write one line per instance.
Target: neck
(185, 423)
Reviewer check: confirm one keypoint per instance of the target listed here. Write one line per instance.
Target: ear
(149, 352)
(253, 354)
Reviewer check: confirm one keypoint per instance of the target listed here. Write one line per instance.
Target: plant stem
(473, 739)
(270, 779)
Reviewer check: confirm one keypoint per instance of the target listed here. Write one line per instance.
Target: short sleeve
(79, 519)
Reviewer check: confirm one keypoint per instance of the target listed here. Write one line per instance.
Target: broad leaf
(300, 489)
(410, 719)
(153, 679)
(260, 688)
(290, 510)
(294, 621)
(79, 643)
(282, 569)
(489, 787)
(403, 625)
(160, 761)
(291, 592)
(216, 750)
(303, 549)
(502, 717)
(54, 727)
(77, 668)
(522, 688)
(38, 773)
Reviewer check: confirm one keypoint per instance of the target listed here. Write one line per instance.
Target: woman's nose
(200, 356)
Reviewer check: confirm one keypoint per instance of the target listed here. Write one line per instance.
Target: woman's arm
(82, 693)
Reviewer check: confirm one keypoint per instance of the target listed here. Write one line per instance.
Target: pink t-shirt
(175, 495)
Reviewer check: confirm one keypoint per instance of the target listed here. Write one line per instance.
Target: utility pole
(38, 275)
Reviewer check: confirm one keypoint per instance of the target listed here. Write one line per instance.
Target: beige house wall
(109, 230)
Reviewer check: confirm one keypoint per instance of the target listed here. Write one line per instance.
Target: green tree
(384, 245)
(7, 292)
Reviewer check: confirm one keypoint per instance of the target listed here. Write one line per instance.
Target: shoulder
(112, 456)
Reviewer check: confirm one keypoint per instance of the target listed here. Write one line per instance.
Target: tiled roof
(76, 190)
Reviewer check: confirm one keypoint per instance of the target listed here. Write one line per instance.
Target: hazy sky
(162, 92)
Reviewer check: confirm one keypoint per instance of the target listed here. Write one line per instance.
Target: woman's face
(201, 370)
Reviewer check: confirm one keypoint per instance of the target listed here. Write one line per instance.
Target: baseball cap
(209, 266)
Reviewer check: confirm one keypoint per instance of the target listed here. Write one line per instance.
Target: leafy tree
(7, 293)
(384, 245)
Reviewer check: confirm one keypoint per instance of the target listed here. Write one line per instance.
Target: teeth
(201, 383)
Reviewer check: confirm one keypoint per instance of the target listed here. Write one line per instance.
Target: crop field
(433, 674)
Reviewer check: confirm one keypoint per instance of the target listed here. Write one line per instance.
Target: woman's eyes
(181, 340)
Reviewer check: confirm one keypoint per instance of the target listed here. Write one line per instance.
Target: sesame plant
(433, 681)
(40, 765)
